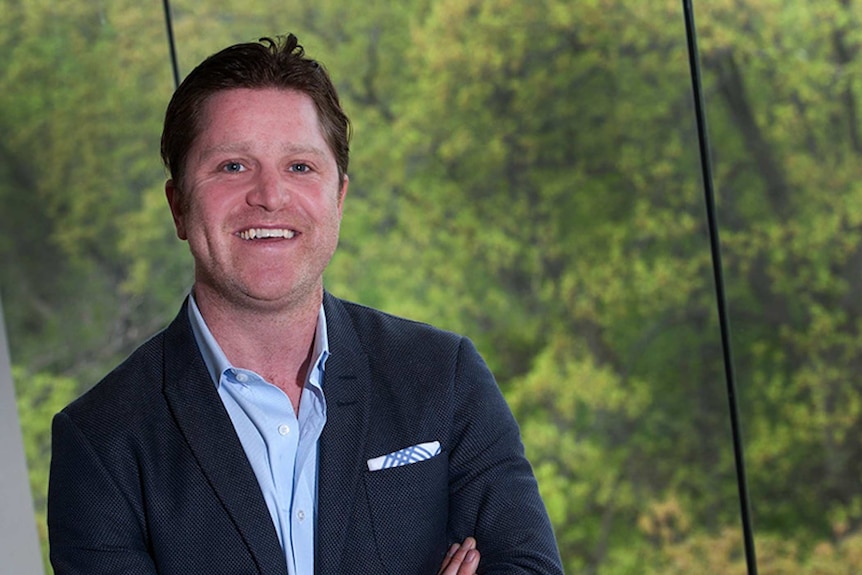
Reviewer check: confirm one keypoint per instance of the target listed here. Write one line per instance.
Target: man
(273, 428)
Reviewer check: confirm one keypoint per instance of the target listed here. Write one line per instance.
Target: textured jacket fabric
(148, 475)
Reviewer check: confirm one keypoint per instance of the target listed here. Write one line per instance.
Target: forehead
(265, 115)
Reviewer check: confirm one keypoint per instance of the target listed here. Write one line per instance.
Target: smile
(266, 233)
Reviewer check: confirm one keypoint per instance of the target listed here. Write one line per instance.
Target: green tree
(39, 396)
(525, 173)
(546, 200)
(80, 118)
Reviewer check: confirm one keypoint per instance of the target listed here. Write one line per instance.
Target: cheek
(203, 215)
(190, 215)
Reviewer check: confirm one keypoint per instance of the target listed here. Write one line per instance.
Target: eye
(300, 168)
(233, 167)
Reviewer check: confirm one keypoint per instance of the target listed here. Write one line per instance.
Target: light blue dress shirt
(281, 448)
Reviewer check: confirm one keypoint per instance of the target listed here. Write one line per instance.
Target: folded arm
(493, 493)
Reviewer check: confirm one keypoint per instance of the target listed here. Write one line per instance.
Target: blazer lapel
(206, 425)
(347, 382)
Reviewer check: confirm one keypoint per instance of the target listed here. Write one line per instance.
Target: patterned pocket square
(412, 454)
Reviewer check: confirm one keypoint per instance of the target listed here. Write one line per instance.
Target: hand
(461, 559)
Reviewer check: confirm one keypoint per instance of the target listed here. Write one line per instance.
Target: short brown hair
(268, 63)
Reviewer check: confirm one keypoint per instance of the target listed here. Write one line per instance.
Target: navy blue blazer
(148, 475)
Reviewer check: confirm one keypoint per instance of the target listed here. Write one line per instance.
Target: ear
(341, 193)
(177, 206)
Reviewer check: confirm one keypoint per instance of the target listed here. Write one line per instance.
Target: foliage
(526, 173)
(80, 120)
(39, 396)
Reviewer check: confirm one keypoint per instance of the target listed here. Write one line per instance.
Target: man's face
(264, 200)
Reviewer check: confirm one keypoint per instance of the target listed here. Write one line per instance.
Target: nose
(269, 191)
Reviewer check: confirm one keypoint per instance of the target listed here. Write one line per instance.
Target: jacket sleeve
(93, 527)
(493, 494)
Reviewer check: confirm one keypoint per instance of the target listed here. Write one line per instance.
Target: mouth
(266, 233)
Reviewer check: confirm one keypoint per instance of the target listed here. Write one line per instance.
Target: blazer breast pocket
(409, 508)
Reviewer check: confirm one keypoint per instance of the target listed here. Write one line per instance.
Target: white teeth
(263, 233)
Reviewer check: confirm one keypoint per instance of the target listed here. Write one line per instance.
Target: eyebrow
(244, 146)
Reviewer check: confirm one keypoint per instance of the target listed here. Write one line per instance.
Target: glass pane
(783, 83)
(524, 173)
(82, 87)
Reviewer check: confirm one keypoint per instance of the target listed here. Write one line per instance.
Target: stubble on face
(260, 164)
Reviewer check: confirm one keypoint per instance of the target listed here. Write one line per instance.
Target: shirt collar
(216, 361)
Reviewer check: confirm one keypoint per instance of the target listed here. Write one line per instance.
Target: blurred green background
(526, 173)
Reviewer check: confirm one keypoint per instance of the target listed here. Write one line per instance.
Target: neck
(275, 342)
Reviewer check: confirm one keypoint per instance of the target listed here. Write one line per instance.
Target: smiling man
(273, 428)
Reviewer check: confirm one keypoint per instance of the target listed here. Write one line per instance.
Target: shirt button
(283, 429)
(241, 377)
(301, 515)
